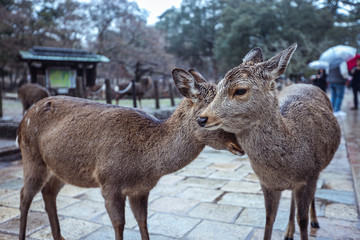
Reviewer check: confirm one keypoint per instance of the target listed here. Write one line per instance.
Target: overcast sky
(157, 7)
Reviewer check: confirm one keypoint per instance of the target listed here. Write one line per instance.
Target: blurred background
(211, 36)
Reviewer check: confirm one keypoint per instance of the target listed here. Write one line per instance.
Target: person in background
(337, 80)
(355, 83)
(320, 79)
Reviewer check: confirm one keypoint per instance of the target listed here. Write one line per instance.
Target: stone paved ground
(216, 197)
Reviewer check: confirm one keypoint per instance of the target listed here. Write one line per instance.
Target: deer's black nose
(202, 121)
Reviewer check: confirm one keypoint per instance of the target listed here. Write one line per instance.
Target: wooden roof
(61, 55)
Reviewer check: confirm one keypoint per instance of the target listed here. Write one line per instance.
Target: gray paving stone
(104, 233)
(342, 211)
(170, 179)
(340, 185)
(242, 186)
(216, 212)
(208, 230)
(13, 184)
(7, 213)
(198, 164)
(72, 191)
(252, 177)
(93, 194)
(203, 182)
(200, 194)
(167, 190)
(195, 172)
(108, 233)
(8, 237)
(171, 225)
(225, 166)
(229, 175)
(243, 200)
(7, 192)
(246, 167)
(61, 202)
(217, 157)
(331, 228)
(14, 200)
(35, 222)
(336, 196)
(84, 210)
(258, 234)
(256, 217)
(70, 229)
(172, 205)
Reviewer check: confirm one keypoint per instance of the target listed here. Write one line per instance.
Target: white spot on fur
(37, 108)
(116, 88)
(28, 121)
(17, 144)
(193, 90)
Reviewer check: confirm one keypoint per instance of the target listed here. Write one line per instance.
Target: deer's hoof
(288, 238)
(315, 225)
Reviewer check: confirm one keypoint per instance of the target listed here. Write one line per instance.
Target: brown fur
(121, 150)
(289, 137)
(30, 93)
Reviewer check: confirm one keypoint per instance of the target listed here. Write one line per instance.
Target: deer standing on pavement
(123, 151)
(289, 137)
(30, 93)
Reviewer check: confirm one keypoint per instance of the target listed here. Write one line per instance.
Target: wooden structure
(62, 70)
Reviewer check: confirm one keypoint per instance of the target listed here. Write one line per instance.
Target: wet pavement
(217, 196)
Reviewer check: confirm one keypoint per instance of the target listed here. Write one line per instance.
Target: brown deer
(30, 93)
(289, 137)
(123, 151)
(140, 89)
(95, 91)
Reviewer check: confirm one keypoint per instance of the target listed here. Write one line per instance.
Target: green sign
(62, 78)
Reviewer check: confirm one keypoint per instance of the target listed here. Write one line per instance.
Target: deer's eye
(240, 91)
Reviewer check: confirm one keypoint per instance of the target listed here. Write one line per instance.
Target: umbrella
(319, 64)
(335, 55)
(352, 62)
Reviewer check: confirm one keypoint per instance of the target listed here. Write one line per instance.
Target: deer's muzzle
(202, 121)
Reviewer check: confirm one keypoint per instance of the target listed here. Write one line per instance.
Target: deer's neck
(179, 144)
(268, 139)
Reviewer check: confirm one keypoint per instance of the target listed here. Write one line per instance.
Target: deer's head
(199, 93)
(245, 93)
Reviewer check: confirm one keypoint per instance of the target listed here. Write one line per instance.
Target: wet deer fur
(30, 93)
(289, 136)
(123, 151)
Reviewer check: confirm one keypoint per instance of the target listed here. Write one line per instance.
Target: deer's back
(82, 141)
(31, 93)
(308, 112)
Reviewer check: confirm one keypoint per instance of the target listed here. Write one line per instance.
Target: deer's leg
(291, 225)
(35, 176)
(303, 197)
(272, 199)
(314, 221)
(140, 102)
(49, 193)
(139, 204)
(115, 206)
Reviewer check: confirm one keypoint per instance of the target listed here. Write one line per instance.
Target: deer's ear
(254, 56)
(276, 65)
(198, 77)
(186, 83)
